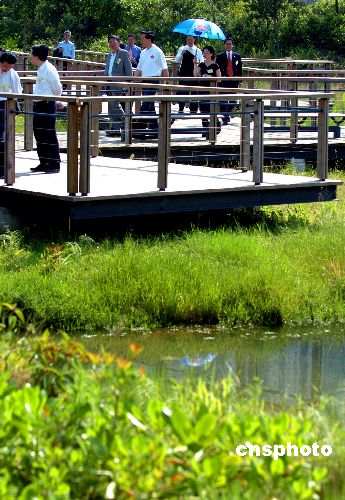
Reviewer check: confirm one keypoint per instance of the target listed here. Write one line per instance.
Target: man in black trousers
(230, 64)
(44, 120)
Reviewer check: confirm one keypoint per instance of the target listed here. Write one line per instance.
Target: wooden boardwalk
(105, 179)
(126, 188)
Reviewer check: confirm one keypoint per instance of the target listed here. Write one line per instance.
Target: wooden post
(251, 83)
(327, 87)
(10, 142)
(174, 68)
(164, 144)
(95, 109)
(273, 102)
(312, 101)
(322, 144)
(28, 118)
(25, 63)
(213, 118)
(294, 115)
(128, 119)
(137, 104)
(72, 148)
(258, 141)
(84, 173)
(245, 136)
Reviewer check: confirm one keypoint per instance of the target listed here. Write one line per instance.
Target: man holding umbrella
(185, 57)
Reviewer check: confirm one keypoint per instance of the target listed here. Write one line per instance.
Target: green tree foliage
(260, 27)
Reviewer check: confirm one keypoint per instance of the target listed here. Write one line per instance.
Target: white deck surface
(111, 177)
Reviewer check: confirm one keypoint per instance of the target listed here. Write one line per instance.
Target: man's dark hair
(115, 38)
(229, 38)
(149, 35)
(130, 34)
(8, 57)
(40, 51)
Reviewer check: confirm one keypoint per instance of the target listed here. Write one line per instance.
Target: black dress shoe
(113, 133)
(39, 168)
(52, 168)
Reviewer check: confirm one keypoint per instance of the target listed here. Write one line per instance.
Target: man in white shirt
(185, 57)
(44, 120)
(9, 83)
(152, 62)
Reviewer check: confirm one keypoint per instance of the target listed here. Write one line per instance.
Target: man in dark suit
(117, 64)
(230, 64)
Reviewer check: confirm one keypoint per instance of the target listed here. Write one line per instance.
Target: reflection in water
(288, 362)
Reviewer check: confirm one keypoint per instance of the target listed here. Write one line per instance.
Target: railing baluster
(322, 143)
(258, 142)
(164, 144)
(245, 135)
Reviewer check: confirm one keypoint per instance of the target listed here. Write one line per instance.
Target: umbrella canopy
(200, 28)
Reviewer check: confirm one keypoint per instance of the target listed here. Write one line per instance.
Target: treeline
(295, 28)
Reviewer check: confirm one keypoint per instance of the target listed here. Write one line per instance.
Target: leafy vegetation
(75, 424)
(260, 27)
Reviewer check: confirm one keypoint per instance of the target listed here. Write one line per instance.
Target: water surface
(304, 361)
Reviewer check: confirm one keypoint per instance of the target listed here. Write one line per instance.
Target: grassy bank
(80, 425)
(285, 265)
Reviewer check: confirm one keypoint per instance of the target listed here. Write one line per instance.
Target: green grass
(61, 124)
(287, 266)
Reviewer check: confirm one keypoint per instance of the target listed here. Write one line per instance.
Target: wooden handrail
(80, 117)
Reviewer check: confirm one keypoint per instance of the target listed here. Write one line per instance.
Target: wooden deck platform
(128, 188)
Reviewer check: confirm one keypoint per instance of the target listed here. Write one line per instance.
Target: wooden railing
(81, 129)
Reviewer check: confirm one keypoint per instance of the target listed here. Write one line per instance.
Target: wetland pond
(290, 362)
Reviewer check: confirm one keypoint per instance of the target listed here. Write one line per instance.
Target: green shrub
(80, 425)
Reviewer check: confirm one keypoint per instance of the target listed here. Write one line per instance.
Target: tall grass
(289, 266)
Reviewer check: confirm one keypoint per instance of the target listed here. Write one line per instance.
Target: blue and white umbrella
(199, 28)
